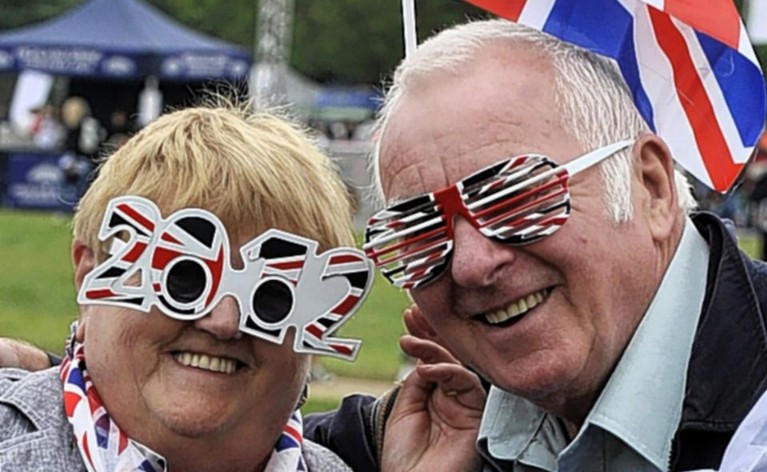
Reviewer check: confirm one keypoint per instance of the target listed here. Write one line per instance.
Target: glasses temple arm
(593, 157)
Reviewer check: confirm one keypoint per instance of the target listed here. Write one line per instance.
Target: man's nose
(477, 260)
(223, 321)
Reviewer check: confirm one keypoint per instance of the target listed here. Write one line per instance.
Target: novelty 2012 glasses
(181, 265)
(516, 201)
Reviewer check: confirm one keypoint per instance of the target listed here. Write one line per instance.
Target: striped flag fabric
(104, 447)
(689, 64)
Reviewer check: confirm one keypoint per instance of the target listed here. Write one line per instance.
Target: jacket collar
(728, 366)
(47, 395)
(38, 398)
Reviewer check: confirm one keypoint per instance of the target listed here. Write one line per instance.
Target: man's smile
(516, 309)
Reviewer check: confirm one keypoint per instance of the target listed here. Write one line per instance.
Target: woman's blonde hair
(253, 169)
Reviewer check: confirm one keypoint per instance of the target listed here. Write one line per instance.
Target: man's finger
(427, 351)
(455, 380)
(417, 325)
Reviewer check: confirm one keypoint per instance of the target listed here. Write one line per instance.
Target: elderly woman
(208, 265)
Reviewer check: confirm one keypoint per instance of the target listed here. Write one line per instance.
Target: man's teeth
(516, 308)
(205, 362)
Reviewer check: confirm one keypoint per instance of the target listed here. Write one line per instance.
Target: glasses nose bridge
(451, 204)
(243, 282)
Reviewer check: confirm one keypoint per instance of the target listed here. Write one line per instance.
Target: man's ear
(654, 168)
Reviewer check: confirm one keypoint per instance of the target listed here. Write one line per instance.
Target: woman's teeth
(205, 362)
(516, 308)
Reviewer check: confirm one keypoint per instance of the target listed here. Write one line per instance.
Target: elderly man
(544, 235)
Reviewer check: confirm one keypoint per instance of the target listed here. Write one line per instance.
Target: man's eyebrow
(396, 201)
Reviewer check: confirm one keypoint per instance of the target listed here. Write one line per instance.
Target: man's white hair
(594, 102)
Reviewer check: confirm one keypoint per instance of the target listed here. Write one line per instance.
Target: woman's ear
(81, 323)
(83, 260)
(656, 175)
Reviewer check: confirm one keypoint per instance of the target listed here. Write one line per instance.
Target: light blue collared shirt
(632, 423)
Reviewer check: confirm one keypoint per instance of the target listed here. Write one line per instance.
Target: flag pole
(408, 25)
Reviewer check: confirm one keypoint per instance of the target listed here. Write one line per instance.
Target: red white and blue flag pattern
(689, 64)
(104, 447)
(320, 292)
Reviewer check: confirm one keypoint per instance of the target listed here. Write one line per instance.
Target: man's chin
(538, 384)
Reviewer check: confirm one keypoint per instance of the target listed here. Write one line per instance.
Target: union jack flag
(102, 444)
(287, 452)
(689, 64)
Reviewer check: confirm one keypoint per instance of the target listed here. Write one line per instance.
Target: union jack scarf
(105, 448)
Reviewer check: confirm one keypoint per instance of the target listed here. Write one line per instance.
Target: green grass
(750, 243)
(37, 296)
(378, 324)
(315, 405)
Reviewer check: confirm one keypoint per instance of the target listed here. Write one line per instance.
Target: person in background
(82, 140)
(83, 132)
(47, 131)
(118, 131)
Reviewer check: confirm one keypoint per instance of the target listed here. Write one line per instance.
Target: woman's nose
(223, 321)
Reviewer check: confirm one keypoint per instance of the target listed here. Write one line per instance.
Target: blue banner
(41, 181)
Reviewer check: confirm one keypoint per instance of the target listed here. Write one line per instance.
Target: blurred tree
(761, 50)
(349, 41)
(16, 13)
(232, 21)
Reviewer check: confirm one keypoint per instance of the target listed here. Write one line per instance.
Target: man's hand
(435, 419)
(19, 354)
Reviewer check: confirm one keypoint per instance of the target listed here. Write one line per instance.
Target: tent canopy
(120, 39)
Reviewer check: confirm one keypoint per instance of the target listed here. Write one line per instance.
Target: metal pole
(274, 27)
